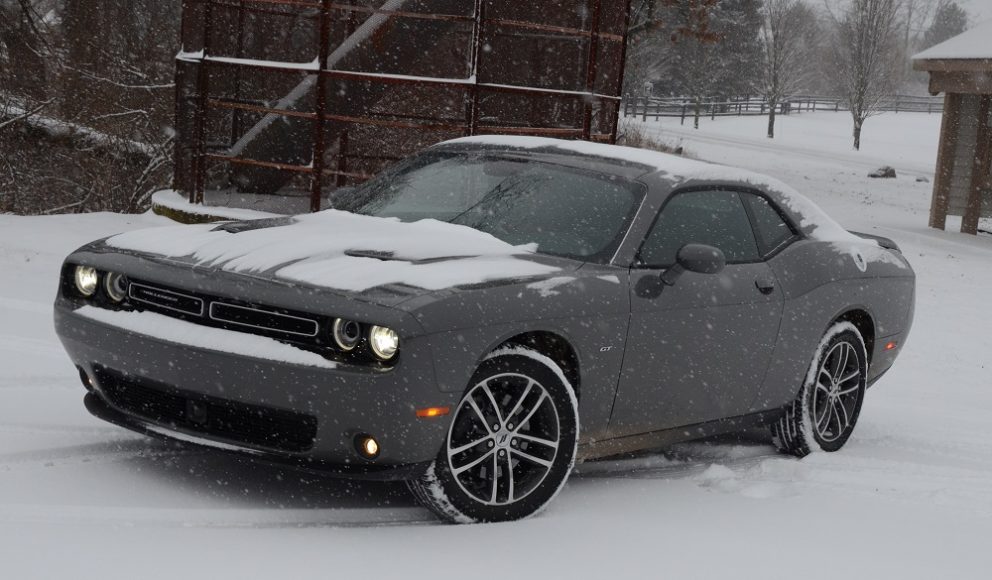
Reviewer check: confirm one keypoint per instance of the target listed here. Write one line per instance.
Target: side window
(715, 218)
(770, 228)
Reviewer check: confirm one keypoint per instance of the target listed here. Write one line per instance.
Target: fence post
(644, 118)
(712, 110)
(684, 108)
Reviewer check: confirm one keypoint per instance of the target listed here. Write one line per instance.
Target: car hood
(377, 259)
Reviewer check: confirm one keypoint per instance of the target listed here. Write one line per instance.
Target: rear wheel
(826, 411)
(511, 443)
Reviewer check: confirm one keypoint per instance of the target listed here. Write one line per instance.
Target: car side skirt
(655, 439)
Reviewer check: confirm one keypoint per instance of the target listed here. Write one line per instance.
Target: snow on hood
(345, 251)
(813, 221)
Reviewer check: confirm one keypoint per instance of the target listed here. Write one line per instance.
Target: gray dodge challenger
(481, 316)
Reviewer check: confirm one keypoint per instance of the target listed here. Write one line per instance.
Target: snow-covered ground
(909, 497)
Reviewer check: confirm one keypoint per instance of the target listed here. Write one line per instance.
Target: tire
(826, 411)
(518, 421)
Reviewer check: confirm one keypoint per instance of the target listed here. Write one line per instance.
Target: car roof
(664, 173)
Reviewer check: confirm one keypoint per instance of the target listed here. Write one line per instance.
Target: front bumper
(340, 403)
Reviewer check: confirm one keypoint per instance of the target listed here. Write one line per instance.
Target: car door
(698, 350)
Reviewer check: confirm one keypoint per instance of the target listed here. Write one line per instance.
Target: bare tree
(865, 53)
(788, 33)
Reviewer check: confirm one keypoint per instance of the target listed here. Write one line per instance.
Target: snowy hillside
(909, 497)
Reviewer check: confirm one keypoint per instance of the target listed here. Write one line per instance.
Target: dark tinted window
(715, 218)
(565, 211)
(770, 228)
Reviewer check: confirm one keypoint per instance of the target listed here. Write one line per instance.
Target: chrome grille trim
(164, 294)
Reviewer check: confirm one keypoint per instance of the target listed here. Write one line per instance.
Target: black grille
(258, 318)
(252, 425)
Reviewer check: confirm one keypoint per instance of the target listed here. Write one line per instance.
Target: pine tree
(950, 21)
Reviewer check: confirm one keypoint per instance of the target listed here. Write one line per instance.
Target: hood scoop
(250, 225)
(385, 256)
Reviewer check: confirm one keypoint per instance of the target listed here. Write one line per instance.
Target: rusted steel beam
(238, 80)
(591, 69)
(537, 131)
(294, 3)
(452, 127)
(413, 81)
(578, 32)
(373, 157)
(202, 89)
(621, 76)
(256, 163)
(319, 135)
(395, 124)
(231, 5)
(348, 174)
(401, 13)
(236, 106)
(183, 164)
(478, 27)
(342, 175)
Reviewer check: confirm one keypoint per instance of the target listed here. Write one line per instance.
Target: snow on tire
(511, 444)
(825, 412)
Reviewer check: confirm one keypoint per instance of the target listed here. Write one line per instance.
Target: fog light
(115, 286)
(384, 341)
(367, 446)
(87, 279)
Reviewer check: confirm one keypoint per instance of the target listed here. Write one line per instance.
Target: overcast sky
(978, 9)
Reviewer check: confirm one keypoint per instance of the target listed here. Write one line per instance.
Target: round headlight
(347, 333)
(87, 279)
(115, 286)
(384, 341)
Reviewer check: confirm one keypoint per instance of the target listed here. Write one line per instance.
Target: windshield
(565, 211)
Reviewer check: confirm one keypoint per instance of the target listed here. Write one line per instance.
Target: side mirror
(698, 258)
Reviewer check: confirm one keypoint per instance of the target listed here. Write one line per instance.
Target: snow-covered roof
(811, 219)
(975, 44)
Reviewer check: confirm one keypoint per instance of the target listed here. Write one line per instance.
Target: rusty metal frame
(328, 11)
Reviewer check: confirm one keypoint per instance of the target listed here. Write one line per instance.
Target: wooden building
(961, 68)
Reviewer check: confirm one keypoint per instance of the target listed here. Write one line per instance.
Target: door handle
(765, 285)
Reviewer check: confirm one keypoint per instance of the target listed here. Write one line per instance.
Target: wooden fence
(655, 108)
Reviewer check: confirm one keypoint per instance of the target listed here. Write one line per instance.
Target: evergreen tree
(950, 21)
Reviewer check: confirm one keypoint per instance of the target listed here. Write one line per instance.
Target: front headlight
(384, 341)
(87, 279)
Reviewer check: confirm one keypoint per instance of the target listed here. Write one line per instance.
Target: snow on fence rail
(656, 108)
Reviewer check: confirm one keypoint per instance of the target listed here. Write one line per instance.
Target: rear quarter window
(772, 231)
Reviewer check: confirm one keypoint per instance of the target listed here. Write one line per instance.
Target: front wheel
(511, 443)
(826, 411)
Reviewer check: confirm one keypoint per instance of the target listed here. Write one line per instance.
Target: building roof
(975, 44)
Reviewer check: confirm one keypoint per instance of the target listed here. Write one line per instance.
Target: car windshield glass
(565, 211)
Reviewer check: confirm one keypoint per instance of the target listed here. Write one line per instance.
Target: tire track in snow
(233, 518)
(18, 305)
(102, 452)
(31, 346)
